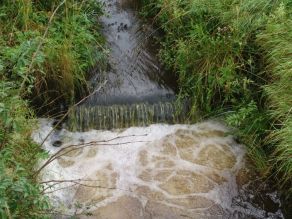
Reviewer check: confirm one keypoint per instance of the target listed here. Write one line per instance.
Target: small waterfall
(145, 171)
(139, 91)
(101, 117)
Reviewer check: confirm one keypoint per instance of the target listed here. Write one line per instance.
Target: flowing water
(113, 162)
(159, 171)
(137, 90)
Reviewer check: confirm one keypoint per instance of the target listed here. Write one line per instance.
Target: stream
(126, 153)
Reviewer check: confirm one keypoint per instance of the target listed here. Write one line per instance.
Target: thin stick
(69, 110)
(80, 146)
(67, 180)
(88, 186)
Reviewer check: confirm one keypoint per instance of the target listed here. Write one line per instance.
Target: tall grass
(276, 42)
(233, 58)
(46, 49)
(69, 49)
(209, 44)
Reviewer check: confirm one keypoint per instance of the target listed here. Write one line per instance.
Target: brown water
(159, 171)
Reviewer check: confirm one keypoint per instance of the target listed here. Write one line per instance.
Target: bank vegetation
(46, 48)
(233, 59)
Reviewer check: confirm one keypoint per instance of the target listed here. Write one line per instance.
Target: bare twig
(79, 183)
(58, 182)
(71, 148)
(66, 180)
(91, 145)
(70, 108)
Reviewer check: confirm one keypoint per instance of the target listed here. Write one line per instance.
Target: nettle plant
(20, 195)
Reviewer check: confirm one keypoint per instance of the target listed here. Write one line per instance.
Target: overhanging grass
(50, 65)
(233, 58)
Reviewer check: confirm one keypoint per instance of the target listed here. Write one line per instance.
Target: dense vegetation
(46, 46)
(233, 59)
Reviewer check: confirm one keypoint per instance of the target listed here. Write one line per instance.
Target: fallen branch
(67, 180)
(59, 153)
(70, 108)
(79, 183)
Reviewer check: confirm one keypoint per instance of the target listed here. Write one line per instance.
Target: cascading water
(137, 92)
(107, 170)
(121, 116)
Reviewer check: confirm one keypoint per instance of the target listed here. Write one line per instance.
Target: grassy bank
(46, 48)
(233, 60)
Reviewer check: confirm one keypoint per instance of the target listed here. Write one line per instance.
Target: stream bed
(125, 152)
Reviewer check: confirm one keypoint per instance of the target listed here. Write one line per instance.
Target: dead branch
(70, 108)
(59, 153)
(77, 183)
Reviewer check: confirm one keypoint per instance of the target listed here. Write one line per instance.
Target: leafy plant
(20, 195)
(46, 49)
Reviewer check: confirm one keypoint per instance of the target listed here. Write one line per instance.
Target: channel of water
(113, 162)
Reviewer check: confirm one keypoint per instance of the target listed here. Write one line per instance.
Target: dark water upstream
(137, 90)
(119, 165)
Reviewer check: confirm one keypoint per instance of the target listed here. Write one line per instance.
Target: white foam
(121, 155)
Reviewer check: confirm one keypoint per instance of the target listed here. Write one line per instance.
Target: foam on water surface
(160, 171)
